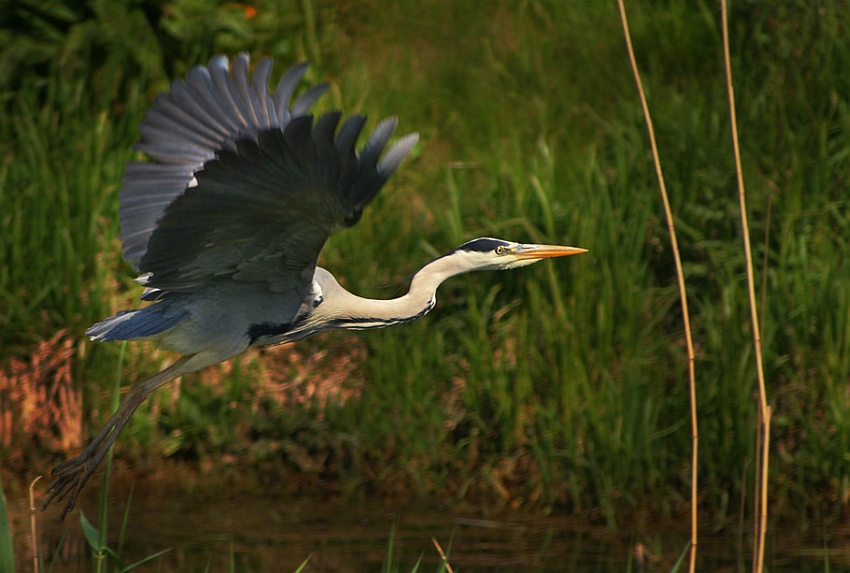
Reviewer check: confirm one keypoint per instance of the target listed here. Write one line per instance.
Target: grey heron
(226, 222)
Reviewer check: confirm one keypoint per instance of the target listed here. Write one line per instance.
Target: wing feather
(307, 99)
(262, 74)
(239, 79)
(201, 89)
(244, 185)
(284, 90)
(226, 90)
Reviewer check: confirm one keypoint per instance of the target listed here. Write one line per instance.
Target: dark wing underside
(244, 186)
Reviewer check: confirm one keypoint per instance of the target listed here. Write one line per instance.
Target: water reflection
(271, 534)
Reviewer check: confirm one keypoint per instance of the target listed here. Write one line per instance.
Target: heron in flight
(226, 223)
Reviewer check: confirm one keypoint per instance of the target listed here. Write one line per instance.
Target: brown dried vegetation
(40, 410)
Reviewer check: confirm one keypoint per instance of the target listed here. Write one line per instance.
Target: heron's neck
(341, 309)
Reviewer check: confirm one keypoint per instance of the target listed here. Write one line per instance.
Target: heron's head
(497, 254)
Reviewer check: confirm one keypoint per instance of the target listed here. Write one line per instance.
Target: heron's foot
(69, 478)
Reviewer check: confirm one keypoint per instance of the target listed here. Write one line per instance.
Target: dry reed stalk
(442, 554)
(763, 429)
(33, 528)
(683, 298)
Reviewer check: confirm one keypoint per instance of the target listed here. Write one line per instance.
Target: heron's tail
(129, 324)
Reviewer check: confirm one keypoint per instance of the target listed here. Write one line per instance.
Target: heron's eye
(500, 250)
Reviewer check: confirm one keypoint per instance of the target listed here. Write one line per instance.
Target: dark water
(263, 534)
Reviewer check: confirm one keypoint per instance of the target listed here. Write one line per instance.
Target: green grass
(7, 553)
(57, 183)
(561, 386)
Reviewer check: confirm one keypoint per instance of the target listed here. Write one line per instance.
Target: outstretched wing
(244, 186)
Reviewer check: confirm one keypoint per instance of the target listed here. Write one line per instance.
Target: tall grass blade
(145, 560)
(126, 520)
(389, 565)
(683, 295)
(94, 537)
(681, 559)
(763, 428)
(7, 547)
(90, 532)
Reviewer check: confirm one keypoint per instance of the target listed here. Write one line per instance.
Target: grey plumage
(241, 179)
(239, 145)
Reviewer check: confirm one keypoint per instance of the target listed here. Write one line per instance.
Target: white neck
(341, 309)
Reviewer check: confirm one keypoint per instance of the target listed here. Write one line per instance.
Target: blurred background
(559, 389)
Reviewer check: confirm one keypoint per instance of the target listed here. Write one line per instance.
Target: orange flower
(249, 11)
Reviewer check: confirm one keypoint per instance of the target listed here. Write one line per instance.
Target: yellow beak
(524, 252)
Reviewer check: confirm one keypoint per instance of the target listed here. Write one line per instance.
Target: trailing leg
(72, 475)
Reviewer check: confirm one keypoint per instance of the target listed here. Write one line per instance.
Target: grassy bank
(559, 386)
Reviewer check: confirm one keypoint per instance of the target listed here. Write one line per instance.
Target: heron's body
(226, 223)
(207, 325)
